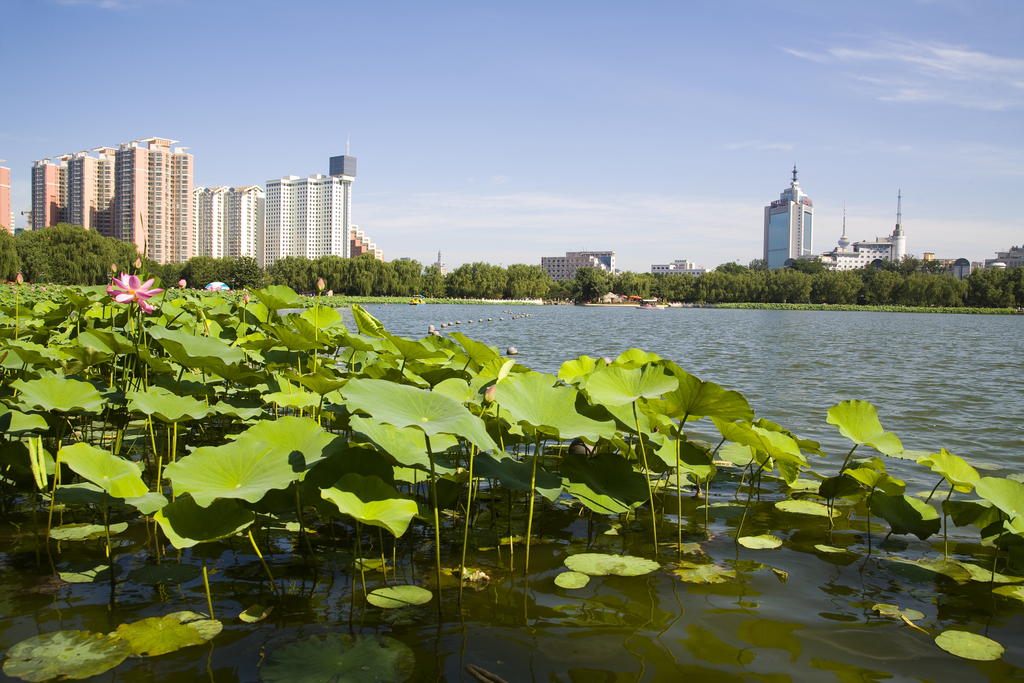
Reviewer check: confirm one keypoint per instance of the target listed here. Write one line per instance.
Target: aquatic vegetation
(213, 422)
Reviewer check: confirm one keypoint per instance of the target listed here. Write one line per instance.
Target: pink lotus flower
(130, 288)
(245, 298)
(19, 279)
(182, 283)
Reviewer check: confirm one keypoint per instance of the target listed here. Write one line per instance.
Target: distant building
(90, 190)
(788, 227)
(209, 221)
(849, 256)
(246, 209)
(440, 265)
(679, 268)
(228, 221)
(361, 244)
(1014, 258)
(565, 267)
(49, 192)
(6, 215)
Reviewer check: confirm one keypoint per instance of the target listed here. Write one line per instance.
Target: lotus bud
(320, 284)
(19, 279)
(113, 268)
(182, 283)
(245, 298)
(138, 263)
(489, 394)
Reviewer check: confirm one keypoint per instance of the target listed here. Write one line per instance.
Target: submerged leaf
(340, 658)
(84, 532)
(895, 611)
(704, 573)
(160, 635)
(806, 507)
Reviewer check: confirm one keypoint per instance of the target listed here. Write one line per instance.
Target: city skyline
(508, 134)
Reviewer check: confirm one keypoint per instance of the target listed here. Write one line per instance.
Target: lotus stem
(533, 496)
(255, 547)
(465, 532)
(739, 531)
(945, 527)
(847, 458)
(206, 583)
(437, 520)
(647, 478)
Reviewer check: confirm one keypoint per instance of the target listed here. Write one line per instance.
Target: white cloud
(898, 70)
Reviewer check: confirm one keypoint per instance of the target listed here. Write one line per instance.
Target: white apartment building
(228, 221)
(565, 267)
(677, 267)
(849, 256)
(308, 217)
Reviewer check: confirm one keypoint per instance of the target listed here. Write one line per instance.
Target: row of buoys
(432, 330)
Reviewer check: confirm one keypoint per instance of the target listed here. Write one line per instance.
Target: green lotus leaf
(948, 569)
(399, 596)
(165, 406)
(906, 515)
(160, 635)
(61, 394)
(599, 564)
(243, 468)
(618, 386)
(88, 572)
(371, 501)
(318, 382)
(692, 572)
(187, 524)
(168, 573)
(340, 658)
(773, 444)
(195, 351)
(460, 390)
(1015, 592)
(579, 368)
(806, 507)
(516, 475)
(297, 400)
(87, 493)
(255, 613)
(479, 353)
(292, 340)
(84, 532)
(954, 468)
(571, 580)
(839, 487)
(113, 343)
(323, 317)
(829, 549)
(1005, 494)
(276, 297)
(605, 483)
(406, 445)
(895, 611)
(984, 575)
(635, 358)
(411, 350)
(534, 400)
(763, 542)
(299, 436)
(872, 474)
(405, 406)
(65, 654)
(858, 422)
(969, 646)
(367, 324)
(15, 423)
(696, 398)
(241, 408)
(117, 476)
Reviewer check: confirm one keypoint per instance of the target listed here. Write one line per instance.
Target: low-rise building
(565, 267)
(361, 244)
(1013, 258)
(849, 256)
(679, 268)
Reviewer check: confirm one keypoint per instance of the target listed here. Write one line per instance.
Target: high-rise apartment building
(309, 217)
(565, 267)
(228, 221)
(153, 204)
(90, 190)
(788, 226)
(6, 215)
(49, 192)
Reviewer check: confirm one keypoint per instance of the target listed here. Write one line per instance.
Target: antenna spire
(844, 216)
(794, 173)
(347, 142)
(899, 207)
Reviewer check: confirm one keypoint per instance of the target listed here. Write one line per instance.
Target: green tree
(758, 264)
(433, 284)
(808, 266)
(10, 262)
(247, 273)
(842, 287)
(590, 284)
(882, 287)
(293, 271)
(408, 277)
(730, 268)
(526, 282)
(788, 286)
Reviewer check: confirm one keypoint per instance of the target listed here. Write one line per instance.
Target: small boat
(416, 300)
(651, 305)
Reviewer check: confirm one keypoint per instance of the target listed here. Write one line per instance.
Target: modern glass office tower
(788, 226)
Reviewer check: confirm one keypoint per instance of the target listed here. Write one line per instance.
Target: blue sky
(503, 132)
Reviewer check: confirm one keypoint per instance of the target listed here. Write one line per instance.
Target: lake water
(791, 614)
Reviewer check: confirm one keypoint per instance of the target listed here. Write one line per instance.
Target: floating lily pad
(65, 654)
(895, 611)
(704, 573)
(340, 658)
(160, 635)
(168, 573)
(369, 564)
(806, 507)
(762, 542)
(571, 580)
(829, 549)
(987, 575)
(597, 564)
(88, 572)
(399, 596)
(84, 532)
(969, 646)
(255, 613)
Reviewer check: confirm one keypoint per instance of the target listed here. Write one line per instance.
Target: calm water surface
(793, 614)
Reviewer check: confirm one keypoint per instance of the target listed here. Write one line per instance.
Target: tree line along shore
(69, 255)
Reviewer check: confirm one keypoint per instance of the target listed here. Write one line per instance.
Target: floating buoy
(458, 322)
(480, 320)
(490, 319)
(512, 351)
(444, 325)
